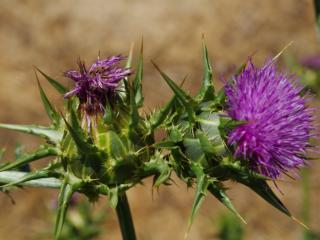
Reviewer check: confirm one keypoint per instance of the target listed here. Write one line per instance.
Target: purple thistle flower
(278, 121)
(98, 84)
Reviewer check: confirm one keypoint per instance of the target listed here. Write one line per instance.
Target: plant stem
(125, 219)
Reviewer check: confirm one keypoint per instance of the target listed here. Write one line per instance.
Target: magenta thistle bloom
(278, 122)
(98, 84)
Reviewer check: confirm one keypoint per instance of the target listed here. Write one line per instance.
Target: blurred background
(52, 35)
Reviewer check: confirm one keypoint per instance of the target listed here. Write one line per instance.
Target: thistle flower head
(98, 84)
(278, 122)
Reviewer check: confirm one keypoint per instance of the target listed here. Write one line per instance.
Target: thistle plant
(253, 130)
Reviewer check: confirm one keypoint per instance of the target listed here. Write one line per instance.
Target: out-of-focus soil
(53, 34)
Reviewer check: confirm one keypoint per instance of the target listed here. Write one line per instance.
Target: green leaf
(12, 176)
(194, 150)
(258, 184)
(134, 120)
(124, 84)
(32, 176)
(48, 133)
(78, 135)
(210, 137)
(263, 190)
(28, 158)
(113, 145)
(137, 83)
(207, 146)
(58, 86)
(209, 123)
(207, 90)
(219, 192)
(65, 195)
(203, 182)
(52, 113)
(185, 99)
(160, 116)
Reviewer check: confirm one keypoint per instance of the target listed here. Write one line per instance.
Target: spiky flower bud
(98, 84)
(109, 138)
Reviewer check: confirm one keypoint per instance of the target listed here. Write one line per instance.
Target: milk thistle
(103, 145)
(278, 122)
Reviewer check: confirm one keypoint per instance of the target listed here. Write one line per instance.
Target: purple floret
(98, 84)
(278, 121)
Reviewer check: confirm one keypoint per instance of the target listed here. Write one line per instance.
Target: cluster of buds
(253, 130)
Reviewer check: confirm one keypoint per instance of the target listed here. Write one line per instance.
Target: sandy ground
(53, 34)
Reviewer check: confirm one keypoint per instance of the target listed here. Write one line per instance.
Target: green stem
(125, 219)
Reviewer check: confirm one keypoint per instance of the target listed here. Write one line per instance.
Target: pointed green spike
(45, 132)
(258, 183)
(58, 86)
(65, 195)
(201, 191)
(162, 114)
(78, 137)
(137, 83)
(129, 59)
(158, 167)
(52, 113)
(186, 100)
(32, 176)
(28, 158)
(207, 90)
(163, 177)
(263, 190)
(124, 84)
(75, 124)
(134, 120)
(219, 193)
